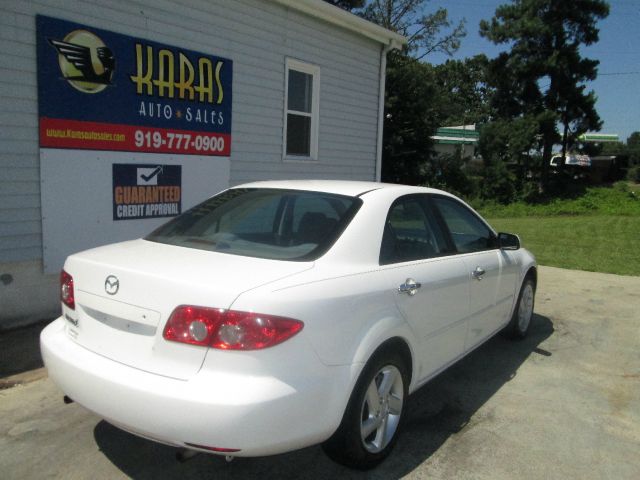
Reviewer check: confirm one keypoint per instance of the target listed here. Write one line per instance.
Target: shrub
(498, 184)
(595, 201)
(633, 174)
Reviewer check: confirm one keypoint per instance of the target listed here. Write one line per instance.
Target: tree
(408, 17)
(507, 140)
(411, 100)
(463, 91)
(633, 148)
(634, 140)
(410, 118)
(501, 142)
(347, 4)
(423, 30)
(543, 75)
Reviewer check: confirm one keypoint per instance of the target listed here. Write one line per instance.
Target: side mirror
(508, 241)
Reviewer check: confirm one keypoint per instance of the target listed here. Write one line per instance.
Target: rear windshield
(264, 223)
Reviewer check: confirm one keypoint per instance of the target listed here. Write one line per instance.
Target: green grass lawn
(597, 243)
(598, 231)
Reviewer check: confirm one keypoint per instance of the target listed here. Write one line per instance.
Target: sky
(618, 84)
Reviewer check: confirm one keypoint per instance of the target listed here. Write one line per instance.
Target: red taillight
(194, 325)
(66, 290)
(253, 331)
(228, 329)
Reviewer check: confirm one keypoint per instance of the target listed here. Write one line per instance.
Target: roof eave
(337, 16)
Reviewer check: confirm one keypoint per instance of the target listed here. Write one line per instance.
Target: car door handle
(410, 286)
(478, 273)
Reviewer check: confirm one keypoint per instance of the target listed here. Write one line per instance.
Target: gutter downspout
(382, 81)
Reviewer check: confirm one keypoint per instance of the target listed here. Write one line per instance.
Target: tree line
(527, 101)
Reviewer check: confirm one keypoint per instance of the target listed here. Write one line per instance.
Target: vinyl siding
(256, 34)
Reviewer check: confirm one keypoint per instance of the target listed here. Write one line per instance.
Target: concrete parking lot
(564, 403)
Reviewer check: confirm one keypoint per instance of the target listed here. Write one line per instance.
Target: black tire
(347, 446)
(520, 322)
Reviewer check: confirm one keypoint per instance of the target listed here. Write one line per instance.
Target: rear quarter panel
(346, 317)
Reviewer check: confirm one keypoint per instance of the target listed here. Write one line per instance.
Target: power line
(610, 52)
(619, 73)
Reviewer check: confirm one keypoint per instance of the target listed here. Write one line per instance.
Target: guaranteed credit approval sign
(100, 90)
(146, 191)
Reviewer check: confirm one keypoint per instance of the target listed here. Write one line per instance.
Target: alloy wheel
(381, 409)
(525, 308)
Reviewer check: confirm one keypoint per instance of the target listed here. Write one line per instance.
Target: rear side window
(264, 223)
(468, 232)
(411, 233)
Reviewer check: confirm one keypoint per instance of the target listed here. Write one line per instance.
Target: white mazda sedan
(277, 315)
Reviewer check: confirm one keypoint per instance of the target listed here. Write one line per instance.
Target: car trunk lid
(126, 292)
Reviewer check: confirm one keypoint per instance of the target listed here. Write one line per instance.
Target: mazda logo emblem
(111, 285)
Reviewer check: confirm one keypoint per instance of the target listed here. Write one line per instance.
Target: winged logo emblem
(85, 61)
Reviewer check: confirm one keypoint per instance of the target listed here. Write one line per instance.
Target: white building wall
(256, 34)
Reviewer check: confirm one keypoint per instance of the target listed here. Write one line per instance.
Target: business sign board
(146, 191)
(77, 195)
(100, 90)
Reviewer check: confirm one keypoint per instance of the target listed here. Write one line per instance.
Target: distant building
(596, 169)
(599, 138)
(463, 139)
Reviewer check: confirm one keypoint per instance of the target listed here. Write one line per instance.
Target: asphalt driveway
(564, 403)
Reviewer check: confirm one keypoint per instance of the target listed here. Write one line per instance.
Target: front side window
(411, 233)
(264, 223)
(468, 232)
(301, 110)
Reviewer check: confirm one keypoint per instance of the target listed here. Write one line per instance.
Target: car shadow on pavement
(444, 407)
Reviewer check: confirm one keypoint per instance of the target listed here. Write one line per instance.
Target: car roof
(351, 188)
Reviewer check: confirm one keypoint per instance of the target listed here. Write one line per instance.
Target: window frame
(443, 224)
(424, 201)
(314, 71)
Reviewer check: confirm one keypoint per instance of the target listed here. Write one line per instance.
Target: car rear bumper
(256, 414)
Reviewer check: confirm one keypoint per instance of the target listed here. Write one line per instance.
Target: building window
(302, 91)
